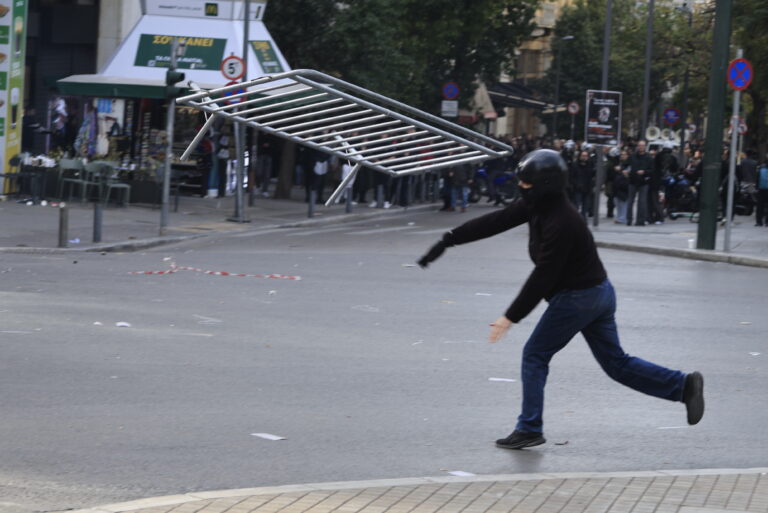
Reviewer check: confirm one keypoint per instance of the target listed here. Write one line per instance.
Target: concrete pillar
(116, 19)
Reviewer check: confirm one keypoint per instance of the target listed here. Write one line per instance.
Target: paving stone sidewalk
(685, 491)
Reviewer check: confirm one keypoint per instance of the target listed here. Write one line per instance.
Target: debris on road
(268, 436)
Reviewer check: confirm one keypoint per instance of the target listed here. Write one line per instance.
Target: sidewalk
(685, 491)
(35, 228)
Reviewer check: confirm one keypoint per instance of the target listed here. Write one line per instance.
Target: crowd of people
(643, 184)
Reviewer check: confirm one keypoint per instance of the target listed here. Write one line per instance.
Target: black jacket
(560, 245)
(639, 162)
(582, 176)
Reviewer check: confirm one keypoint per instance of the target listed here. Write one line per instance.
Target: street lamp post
(600, 169)
(647, 74)
(684, 115)
(557, 86)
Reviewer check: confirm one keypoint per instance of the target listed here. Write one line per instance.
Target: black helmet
(545, 170)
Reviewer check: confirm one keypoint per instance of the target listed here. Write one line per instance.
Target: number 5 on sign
(233, 68)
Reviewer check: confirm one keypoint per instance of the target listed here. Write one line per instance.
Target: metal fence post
(348, 206)
(380, 196)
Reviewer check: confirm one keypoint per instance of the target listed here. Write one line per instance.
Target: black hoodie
(560, 245)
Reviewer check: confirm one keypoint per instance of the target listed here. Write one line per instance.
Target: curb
(691, 254)
(171, 500)
(140, 244)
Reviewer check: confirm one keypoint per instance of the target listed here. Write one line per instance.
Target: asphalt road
(368, 367)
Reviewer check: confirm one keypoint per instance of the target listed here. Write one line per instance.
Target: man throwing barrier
(568, 274)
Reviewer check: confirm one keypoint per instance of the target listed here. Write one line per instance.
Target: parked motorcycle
(505, 184)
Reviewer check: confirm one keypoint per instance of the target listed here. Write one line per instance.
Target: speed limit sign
(233, 68)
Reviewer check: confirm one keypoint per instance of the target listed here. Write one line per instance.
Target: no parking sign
(740, 74)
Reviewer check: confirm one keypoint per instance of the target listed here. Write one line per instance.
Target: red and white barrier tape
(176, 268)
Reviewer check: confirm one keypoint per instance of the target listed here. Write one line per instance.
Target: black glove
(435, 251)
(432, 255)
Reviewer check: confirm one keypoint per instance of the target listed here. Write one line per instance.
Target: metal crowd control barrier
(342, 119)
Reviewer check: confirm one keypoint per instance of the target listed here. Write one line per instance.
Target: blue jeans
(591, 312)
(463, 191)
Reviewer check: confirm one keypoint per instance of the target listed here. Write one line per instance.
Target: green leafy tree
(675, 44)
(405, 49)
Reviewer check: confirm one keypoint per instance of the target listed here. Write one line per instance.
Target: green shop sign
(200, 52)
(267, 56)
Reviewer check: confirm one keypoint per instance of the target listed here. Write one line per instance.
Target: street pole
(600, 171)
(685, 101)
(239, 216)
(557, 85)
(647, 79)
(732, 163)
(169, 146)
(713, 145)
(557, 92)
(573, 120)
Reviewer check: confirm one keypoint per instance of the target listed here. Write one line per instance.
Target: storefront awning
(509, 94)
(102, 86)
(138, 68)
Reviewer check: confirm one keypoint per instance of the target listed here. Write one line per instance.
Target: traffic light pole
(169, 146)
(713, 145)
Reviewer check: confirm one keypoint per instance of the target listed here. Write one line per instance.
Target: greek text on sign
(154, 51)
(216, 9)
(266, 56)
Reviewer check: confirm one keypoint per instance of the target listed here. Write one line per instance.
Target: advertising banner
(224, 9)
(603, 118)
(154, 51)
(13, 37)
(267, 57)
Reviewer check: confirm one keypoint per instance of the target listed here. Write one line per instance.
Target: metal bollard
(98, 212)
(176, 200)
(380, 196)
(63, 226)
(348, 206)
(312, 199)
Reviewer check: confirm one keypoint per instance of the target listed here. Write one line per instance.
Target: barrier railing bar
(289, 119)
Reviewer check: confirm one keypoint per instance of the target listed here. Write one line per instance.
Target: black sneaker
(520, 440)
(693, 397)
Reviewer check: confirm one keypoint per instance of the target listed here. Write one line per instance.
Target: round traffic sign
(233, 67)
(450, 90)
(233, 92)
(739, 74)
(671, 116)
(573, 108)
